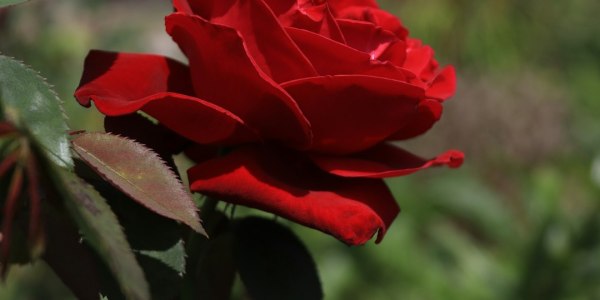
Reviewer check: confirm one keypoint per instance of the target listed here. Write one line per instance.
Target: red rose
(307, 94)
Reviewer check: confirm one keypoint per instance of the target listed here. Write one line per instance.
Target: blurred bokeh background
(521, 218)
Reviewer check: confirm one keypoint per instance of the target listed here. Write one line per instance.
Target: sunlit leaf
(139, 173)
(102, 231)
(273, 263)
(29, 103)
(4, 3)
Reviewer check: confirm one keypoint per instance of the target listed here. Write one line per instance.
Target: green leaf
(216, 269)
(211, 265)
(173, 257)
(164, 270)
(102, 231)
(30, 104)
(273, 263)
(157, 241)
(10, 2)
(139, 173)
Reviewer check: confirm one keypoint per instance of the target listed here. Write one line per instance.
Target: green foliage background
(520, 220)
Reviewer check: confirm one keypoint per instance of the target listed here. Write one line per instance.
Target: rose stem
(35, 238)
(9, 212)
(8, 162)
(6, 128)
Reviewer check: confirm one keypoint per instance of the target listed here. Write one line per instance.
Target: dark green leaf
(102, 231)
(139, 173)
(164, 270)
(156, 240)
(4, 3)
(273, 263)
(63, 247)
(173, 257)
(216, 269)
(30, 104)
(212, 268)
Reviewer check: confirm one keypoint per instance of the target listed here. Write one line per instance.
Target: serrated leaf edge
(107, 247)
(52, 92)
(13, 4)
(146, 151)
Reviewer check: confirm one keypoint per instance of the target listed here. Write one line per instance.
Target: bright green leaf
(10, 2)
(273, 263)
(102, 231)
(29, 103)
(139, 173)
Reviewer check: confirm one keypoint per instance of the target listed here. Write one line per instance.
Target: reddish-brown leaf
(140, 173)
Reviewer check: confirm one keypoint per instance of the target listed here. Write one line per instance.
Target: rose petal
(122, 83)
(183, 6)
(367, 37)
(350, 113)
(383, 161)
(131, 75)
(444, 84)
(395, 53)
(343, 4)
(368, 11)
(140, 129)
(223, 73)
(266, 41)
(333, 58)
(284, 183)
(193, 118)
(308, 15)
(420, 60)
(428, 112)
(201, 153)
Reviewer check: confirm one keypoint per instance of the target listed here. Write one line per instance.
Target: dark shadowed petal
(286, 184)
(140, 129)
(200, 121)
(350, 113)
(309, 15)
(132, 75)
(265, 40)
(223, 74)
(382, 161)
(122, 83)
